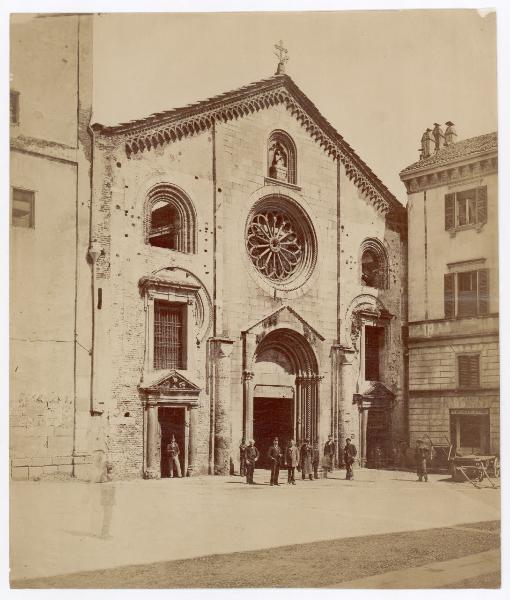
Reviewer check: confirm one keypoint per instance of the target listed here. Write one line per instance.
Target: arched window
(170, 219)
(374, 265)
(281, 157)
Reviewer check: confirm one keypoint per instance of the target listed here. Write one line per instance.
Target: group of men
(306, 459)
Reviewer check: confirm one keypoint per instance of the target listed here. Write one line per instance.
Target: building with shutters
(453, 291)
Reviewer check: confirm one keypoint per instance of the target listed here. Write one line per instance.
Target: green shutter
(483, 292)
(449, 211)
(449, 295)
(481, 205)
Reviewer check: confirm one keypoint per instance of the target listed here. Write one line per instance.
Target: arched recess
(373, 264)
(291, 349)
(281, 157)
(170, 219)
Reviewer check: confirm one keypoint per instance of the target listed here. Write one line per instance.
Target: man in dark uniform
(421, 454)
(329, 455)
(252, 456)
(172, 451)
(274, 454)
(349, 456)
(316, 458)
(305, 458)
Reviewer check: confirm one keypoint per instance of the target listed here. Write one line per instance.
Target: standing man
(274, 454)
(349, 456)
(306, 459)
(421, 454)
(252, 456)
(242, 458)
(316, 458)
(172, 450)
(292, 460)
(329, 455)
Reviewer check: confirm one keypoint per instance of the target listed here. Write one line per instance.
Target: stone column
(363, 436)
(222, 349)
(153, 469)
(297, 401)
(193, 435)
(248, 405)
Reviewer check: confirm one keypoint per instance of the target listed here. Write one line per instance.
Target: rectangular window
(23, 208)
(469, 430)
(373, 342)
(469, 370)
(466, 294)
(466, 208)
(14, 107)
(169, 335)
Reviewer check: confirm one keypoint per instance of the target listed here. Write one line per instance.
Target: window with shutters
(465, 209)
(466, 294)
(468, 370)
(169, 335)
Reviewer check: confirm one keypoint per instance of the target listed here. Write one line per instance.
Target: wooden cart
(475, 468)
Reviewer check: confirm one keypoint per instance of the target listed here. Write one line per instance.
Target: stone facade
(250, 339)
(452, 215)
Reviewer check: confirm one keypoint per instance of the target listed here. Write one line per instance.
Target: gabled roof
(470, 148)
(165, 127)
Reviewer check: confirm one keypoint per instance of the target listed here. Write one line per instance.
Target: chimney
(438, 134)
(450, 134)
(426, 143)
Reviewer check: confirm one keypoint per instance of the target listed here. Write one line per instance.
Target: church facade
(249, 282)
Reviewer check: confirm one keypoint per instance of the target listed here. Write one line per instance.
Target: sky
(380, 78)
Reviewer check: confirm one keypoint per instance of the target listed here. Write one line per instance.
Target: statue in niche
(278, 162)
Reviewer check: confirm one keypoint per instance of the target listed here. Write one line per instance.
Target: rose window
(280, 241)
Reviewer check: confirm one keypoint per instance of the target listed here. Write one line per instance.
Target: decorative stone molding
(452, 176)
(167, 127)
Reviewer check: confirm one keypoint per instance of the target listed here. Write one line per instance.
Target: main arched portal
(285, 391)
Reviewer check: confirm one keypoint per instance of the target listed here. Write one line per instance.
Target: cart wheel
(496, 467)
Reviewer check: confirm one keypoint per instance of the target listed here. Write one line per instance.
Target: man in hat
(306, 459)
(172, 451)
(251, 456)
(316, 458)
(420, 456)
(349, 457)
(292, 460)
(274, 454)
(329, 455)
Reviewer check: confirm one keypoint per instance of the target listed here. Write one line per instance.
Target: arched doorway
(285, 392)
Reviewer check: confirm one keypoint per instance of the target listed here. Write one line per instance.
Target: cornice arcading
(169, 126)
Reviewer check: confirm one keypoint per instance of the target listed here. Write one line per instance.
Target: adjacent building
(453, 291)
(51, 425)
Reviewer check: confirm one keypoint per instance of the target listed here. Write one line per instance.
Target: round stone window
(280, 242)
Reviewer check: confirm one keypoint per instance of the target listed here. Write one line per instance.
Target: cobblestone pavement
(61, 528)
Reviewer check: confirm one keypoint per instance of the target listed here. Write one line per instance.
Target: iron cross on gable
(282, 54)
